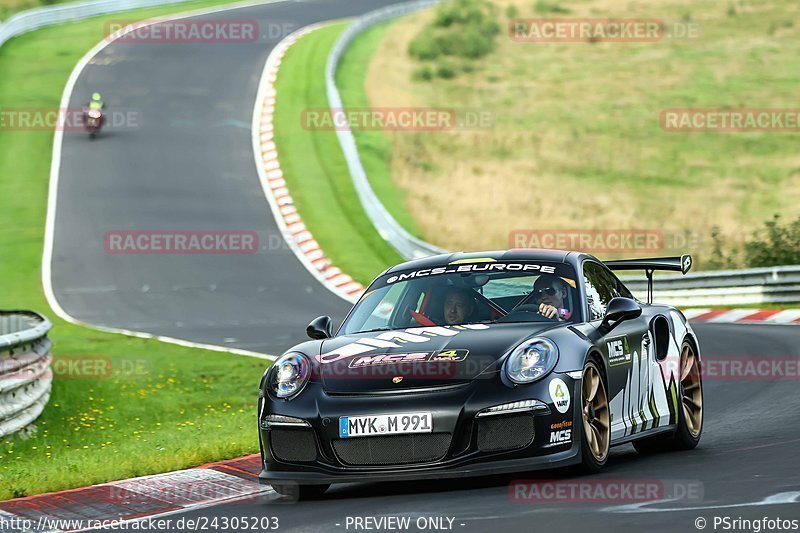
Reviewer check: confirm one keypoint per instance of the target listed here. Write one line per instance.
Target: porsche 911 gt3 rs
(468, 364)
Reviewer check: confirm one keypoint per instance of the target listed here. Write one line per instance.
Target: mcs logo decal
(557, 437)
(618, 351)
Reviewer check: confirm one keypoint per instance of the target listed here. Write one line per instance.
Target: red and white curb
(744, 316)
(136, 499)
(294, 231)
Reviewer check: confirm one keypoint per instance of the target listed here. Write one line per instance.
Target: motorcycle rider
(94, 107)
(96, 102)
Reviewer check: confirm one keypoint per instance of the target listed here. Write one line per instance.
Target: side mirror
(619, 310)
(320, 328)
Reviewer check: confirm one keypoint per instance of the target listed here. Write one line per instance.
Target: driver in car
(550, 293)
(458, 306)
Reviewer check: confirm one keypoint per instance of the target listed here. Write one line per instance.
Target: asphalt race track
(184, 162)
(748, 454)
(190, 167)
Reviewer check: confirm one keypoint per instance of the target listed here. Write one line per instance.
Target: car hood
(415, 358)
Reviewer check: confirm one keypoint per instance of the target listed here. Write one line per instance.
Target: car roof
(515, 254)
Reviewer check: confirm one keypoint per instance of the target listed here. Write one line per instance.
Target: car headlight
(531, 360)
(289, 375)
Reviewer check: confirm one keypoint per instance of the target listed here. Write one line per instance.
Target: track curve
(748, 454)
(187, 165)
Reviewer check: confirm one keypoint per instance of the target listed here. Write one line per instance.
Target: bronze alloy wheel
(596, 427)
(691, 390)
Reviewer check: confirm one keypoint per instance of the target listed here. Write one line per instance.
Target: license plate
(367, 426)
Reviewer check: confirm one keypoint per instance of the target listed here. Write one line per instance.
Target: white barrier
(25, 375)
(406, 244)
(39, 17)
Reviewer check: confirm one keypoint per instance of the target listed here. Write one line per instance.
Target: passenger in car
(549, 293)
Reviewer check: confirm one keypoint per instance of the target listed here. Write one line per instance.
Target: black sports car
(467, 364)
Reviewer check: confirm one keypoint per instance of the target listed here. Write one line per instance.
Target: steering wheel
(528, 309)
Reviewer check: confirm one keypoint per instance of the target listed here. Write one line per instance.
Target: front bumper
(314, 477)
(454, 412)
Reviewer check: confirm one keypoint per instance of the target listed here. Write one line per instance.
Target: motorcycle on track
(93, 115)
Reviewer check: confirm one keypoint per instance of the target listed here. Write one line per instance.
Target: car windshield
(454, 294)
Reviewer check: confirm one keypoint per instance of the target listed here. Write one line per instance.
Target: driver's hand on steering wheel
(548, 311)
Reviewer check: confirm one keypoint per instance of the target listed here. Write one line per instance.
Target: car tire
(690, 410)
(595, 419)
(300, 492)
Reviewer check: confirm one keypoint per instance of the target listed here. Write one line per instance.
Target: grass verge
(160, 407)
(314, 167)
(374, 146)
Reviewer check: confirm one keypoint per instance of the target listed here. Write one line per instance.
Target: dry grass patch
(577, 141)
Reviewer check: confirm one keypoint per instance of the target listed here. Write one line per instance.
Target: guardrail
(407, 245)
(771, 285)
(39, 17)
(25, 375)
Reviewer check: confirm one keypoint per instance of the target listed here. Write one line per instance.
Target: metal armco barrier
(39, 17)
(406, 244)
(25, 375)
(771, 285)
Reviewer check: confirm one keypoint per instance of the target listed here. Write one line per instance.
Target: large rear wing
(676, 264)
(680, 264)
